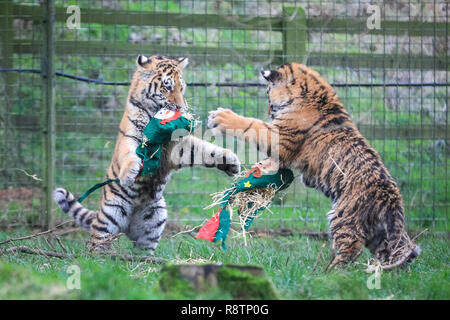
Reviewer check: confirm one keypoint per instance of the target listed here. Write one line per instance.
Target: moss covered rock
(176, 286)
(242, 284)
(239, 282)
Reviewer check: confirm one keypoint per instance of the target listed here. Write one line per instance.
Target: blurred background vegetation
(228, 42)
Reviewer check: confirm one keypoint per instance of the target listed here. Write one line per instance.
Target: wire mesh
(228, 42)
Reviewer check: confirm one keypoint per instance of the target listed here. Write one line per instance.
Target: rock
(240, 282)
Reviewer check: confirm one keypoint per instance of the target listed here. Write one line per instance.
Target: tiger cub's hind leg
(112, 218)
(147, 226)
(377, 244)
(347, 242)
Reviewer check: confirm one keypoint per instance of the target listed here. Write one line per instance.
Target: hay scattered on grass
(373, 265)
(193, 260)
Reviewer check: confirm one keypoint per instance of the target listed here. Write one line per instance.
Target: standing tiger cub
(314, 134)
(136, 205)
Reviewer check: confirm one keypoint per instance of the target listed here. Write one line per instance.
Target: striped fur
(314, 133)
(136, 206)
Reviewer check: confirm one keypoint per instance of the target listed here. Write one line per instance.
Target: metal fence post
(48, 111)
(7, 61)
(294, 34)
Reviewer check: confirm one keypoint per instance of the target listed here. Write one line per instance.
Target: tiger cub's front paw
(231, 165)
(222, 119)
(130, 171)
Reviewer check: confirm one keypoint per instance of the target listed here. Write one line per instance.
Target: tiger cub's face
(278, 83)
(158, 82)
(294, 86)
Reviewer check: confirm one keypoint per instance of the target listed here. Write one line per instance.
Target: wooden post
(7, 62)
(294, 34)
(48, 111)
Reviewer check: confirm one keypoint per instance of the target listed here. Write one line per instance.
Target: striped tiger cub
(136, 206)
(314, 134)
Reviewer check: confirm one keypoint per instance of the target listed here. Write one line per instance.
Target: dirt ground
(24, 195)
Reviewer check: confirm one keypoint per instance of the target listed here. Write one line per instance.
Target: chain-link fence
(387, 60)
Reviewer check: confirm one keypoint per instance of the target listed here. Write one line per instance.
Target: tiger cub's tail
(67, 202)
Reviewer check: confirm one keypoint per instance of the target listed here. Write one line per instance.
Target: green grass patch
(287, 261)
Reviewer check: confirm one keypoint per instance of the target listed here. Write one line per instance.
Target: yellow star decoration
(247, 184)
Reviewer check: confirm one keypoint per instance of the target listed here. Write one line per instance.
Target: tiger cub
(314, 133)
(136, 206)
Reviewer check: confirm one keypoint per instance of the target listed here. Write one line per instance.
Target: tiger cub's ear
(141, 60)
(270, 75)
(183, 62)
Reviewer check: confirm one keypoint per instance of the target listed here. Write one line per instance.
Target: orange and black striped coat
(311, 131)
(136, 205)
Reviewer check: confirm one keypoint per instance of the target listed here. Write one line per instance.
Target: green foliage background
(419, 166)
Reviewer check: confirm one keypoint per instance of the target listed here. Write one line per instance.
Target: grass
(288, 262)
